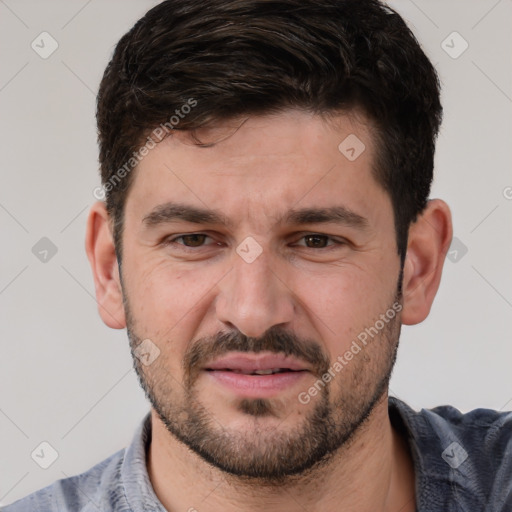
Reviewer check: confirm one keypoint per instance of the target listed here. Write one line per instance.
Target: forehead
(263, 166)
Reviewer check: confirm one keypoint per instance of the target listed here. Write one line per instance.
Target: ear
(429, 240)
(99, 245)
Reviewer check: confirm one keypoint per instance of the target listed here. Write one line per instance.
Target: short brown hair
(251, 57)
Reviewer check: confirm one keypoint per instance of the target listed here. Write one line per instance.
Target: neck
(372, 473)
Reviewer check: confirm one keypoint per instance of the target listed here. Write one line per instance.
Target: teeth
(267, 372)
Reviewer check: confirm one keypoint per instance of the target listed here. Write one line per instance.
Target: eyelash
(172, 241)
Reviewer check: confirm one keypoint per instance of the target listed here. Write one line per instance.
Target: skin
(176, 298)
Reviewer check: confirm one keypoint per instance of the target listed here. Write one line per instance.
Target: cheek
(344, 302)
(168, 300)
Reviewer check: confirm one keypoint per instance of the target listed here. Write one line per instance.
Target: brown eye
(316, 241)
(193, 240)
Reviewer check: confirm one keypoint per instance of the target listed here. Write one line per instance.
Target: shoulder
(92, 490)
(467, 454)
(483, 436)
(486, 431)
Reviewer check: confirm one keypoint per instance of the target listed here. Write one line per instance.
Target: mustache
(276, 340)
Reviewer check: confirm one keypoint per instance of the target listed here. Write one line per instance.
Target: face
(262, 274)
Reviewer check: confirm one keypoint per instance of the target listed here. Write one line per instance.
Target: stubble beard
(265, 454)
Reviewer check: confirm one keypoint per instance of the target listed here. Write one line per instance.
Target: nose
(254, 297)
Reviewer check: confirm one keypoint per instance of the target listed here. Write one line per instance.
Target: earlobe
(100, 250)
(429, 240)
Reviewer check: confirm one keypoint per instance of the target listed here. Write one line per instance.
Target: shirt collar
(426, 444)
(134, 474)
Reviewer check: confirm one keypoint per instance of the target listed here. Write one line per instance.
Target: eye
(189, 240)
(317, 241)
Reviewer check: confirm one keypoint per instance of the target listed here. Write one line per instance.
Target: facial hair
(265, 454)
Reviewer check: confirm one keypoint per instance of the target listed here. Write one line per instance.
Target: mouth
(267, 371)
(260, 364)
(257, 375)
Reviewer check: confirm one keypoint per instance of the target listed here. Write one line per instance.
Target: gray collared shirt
(463, 463)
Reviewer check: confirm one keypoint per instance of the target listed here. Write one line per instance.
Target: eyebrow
(172, 212)
(333, 214)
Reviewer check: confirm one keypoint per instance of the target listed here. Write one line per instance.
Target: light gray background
(66, 379)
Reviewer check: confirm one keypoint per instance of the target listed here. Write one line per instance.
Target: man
(265, 233)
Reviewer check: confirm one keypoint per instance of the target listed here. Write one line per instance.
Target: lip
(249, 363)
(227, 371)
(256, 386)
